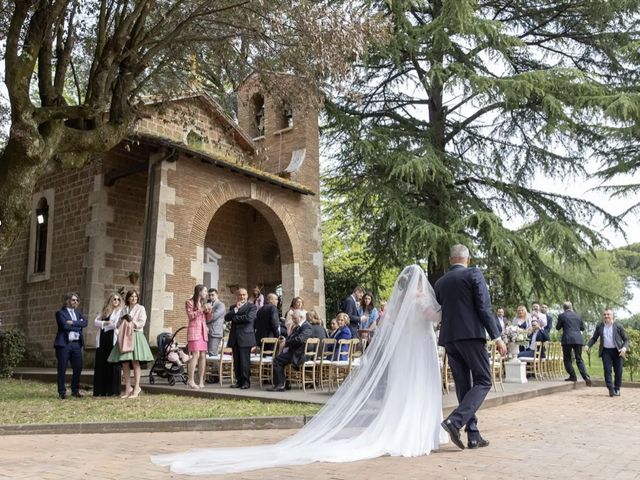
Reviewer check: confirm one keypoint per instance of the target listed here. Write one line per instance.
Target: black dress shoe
(611, 393)
(77, 395)
(287, 385)
(244, 387)
(471, 444)
(235, 385)
(570, 379)
(616, 393)
(453, 432)
(588, 381)
(276, 388)
(62, 396)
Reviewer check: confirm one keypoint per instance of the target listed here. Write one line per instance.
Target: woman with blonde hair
(136, 315)
(296, 304)
(106, 376)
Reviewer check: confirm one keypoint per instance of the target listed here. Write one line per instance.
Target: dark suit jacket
(350, 308)
(620, 337)
(242, 326)
(498, 326)
(466, 306)
(62, 337)
(572, 327)
(267, 322)
(295, 342)
(547, 327)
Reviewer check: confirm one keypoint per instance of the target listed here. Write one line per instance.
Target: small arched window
(286, 116)
(42, 233)
(258, 115)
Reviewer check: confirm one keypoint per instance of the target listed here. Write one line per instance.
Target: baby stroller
(163, 367)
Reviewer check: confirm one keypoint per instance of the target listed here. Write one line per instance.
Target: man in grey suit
(215, 327)
(572, 327)
(466, 318)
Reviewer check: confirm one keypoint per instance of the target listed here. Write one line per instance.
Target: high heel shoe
(126, 395)
(135, 393)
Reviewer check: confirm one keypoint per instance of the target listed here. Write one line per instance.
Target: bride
(391, 404)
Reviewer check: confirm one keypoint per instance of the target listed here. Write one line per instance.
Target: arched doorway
(250, 249)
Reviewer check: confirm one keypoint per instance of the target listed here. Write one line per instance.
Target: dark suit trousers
(611, 358)
(469, 362)
(70, 352)
(242, 365)
(282, 360)
(568, 365)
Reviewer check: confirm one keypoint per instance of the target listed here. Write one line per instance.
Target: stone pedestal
(515, 371)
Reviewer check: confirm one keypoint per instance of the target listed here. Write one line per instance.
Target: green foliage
(12, 349)
(448, 122)
(346, 262)
(632, 360)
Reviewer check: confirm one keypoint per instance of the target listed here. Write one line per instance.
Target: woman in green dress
(140, 351)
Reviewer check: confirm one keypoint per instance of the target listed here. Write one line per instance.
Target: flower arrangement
(514, 334)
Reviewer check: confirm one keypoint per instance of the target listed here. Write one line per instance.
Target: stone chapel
(189, 197)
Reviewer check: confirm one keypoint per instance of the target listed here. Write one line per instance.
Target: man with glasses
(68, 343)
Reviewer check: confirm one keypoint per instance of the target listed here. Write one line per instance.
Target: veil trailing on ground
(391, 404)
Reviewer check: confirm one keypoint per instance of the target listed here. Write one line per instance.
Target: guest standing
(296, 304)
(107, 376)
(267, 320)
(198, 313)
(369, 315)
(215, 326)
(139, 352)
(350, 307)
(572, 327)
(257, 298)
(614, 344)
(242, 337)
(68, 343)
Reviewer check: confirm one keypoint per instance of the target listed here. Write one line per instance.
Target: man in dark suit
(267, 319)
(572, 327)
(500, 320)
(614, 344)
(292, 350)
(242, 337)
(68, 343)
(466, 319)
(350, 307)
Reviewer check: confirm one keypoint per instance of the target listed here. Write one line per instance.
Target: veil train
(391, 404)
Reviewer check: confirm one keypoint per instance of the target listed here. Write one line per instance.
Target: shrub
(12, 348)
(632, 360)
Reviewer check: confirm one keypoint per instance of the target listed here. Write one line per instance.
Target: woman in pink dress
(198, 312)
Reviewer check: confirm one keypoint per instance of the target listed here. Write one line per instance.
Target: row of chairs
(548, 367)
(319, 368)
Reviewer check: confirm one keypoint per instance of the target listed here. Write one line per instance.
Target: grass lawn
(28, 401)
(597, 371)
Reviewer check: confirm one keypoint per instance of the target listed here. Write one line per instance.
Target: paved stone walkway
(570, 435)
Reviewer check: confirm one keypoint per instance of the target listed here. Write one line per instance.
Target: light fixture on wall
(40, 218)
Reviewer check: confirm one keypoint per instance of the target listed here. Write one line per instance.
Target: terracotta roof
(242, 168)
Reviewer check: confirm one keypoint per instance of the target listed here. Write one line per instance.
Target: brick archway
(260, 199)
(279, 219)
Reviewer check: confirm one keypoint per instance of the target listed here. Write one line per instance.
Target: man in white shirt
(614, 344)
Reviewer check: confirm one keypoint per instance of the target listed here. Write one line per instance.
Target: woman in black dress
(106, 376)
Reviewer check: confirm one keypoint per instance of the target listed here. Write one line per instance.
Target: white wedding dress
(391, 404)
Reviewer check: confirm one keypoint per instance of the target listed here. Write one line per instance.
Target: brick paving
(576, 434)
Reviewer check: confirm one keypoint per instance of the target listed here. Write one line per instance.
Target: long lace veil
(390, 404)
